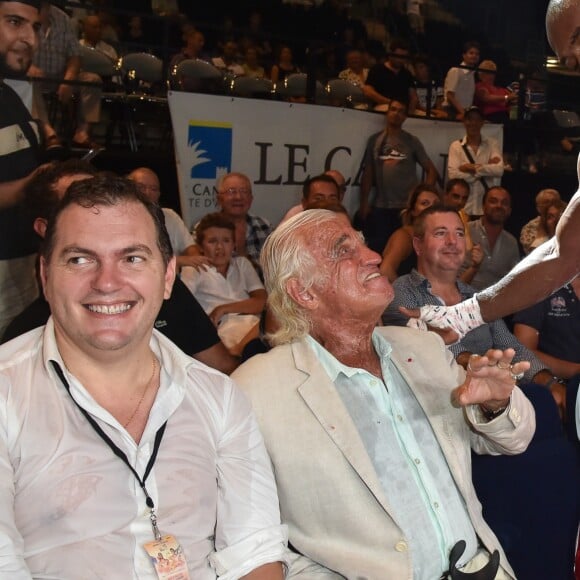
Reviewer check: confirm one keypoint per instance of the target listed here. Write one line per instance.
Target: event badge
(167, 558)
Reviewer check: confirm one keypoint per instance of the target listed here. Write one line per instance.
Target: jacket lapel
(319, 393)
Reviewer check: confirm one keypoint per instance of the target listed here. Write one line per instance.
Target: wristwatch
(489, 414)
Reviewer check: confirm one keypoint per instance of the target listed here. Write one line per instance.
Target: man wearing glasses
(235, 199)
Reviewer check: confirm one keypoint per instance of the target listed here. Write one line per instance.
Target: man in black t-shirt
(390, 80)
(19, 157)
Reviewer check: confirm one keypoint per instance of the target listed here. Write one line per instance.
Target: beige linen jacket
(330, 495)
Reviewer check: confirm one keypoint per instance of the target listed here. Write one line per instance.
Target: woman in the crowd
(398, 255)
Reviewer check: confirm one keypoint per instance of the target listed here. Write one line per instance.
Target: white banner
(279, 145)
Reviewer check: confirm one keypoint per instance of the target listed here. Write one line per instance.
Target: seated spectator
(181, 240)
(194, 43)
(355, 71)
(477, 159)
(459, 86)
(234, 196)
(427, 97)
(500, 251)
(284, 65)
(549, 218)
(228, 60)
(398, 255)
(495, 102)
(180, 318)
(439, 242)
(252, 67)
(371, 458)
(317, 188)
(534, 229)
(551, 330)
(229, 290)
(390, 80)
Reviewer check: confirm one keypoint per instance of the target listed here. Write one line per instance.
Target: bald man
(555, 262)
(563, 30)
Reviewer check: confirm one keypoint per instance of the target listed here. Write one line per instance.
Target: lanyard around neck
(119, 452)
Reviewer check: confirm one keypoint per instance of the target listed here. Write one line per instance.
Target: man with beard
(500, 248)
(19, 157)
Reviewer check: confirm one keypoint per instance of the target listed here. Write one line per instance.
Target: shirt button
(417, 461)
(400, 417)
(436, 505)
(373, 382)
(401, 546)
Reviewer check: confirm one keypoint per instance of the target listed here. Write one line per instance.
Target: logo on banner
(210, 149)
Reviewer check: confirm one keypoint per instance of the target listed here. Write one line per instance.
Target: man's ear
(303, 297)
(417, 245)
(40, 225)
(170, 274)
(42, 267)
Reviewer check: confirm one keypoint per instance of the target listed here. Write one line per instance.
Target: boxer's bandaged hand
(461, 317)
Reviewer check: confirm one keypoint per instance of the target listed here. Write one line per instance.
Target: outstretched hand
(490, 380)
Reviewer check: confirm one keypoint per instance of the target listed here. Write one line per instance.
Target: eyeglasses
(231, 191)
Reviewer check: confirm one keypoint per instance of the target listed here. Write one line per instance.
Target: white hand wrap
(462, 317)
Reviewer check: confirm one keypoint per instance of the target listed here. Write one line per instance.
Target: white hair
(285, 256)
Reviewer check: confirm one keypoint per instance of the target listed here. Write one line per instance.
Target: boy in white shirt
(230, 290)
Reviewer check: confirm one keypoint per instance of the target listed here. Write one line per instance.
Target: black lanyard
(119, 452)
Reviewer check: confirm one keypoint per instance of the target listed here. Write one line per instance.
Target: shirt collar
(334, 367)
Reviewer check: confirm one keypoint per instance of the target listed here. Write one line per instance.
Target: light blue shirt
(406, 455)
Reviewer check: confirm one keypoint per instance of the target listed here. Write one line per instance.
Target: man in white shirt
(477, 159)
(459, 87)
(113, 441)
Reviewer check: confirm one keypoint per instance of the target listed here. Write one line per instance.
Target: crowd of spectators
(438, 247)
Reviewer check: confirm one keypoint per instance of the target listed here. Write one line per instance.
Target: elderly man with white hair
(370, 429)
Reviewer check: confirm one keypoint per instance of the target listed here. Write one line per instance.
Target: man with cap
(477, 159)
(19, 157)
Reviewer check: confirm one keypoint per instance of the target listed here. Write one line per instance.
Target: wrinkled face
(424, 200)
(349, 286)
(105, 279)
(456, 197)
(471, 57)
(218, 246)
(563, 29)
(19, 26)
(497, 207)
(321, 191)
(235, 196)
(442, 248)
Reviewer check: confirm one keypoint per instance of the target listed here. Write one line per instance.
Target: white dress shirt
(491, 172)
(179, 235)
(70, 509)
